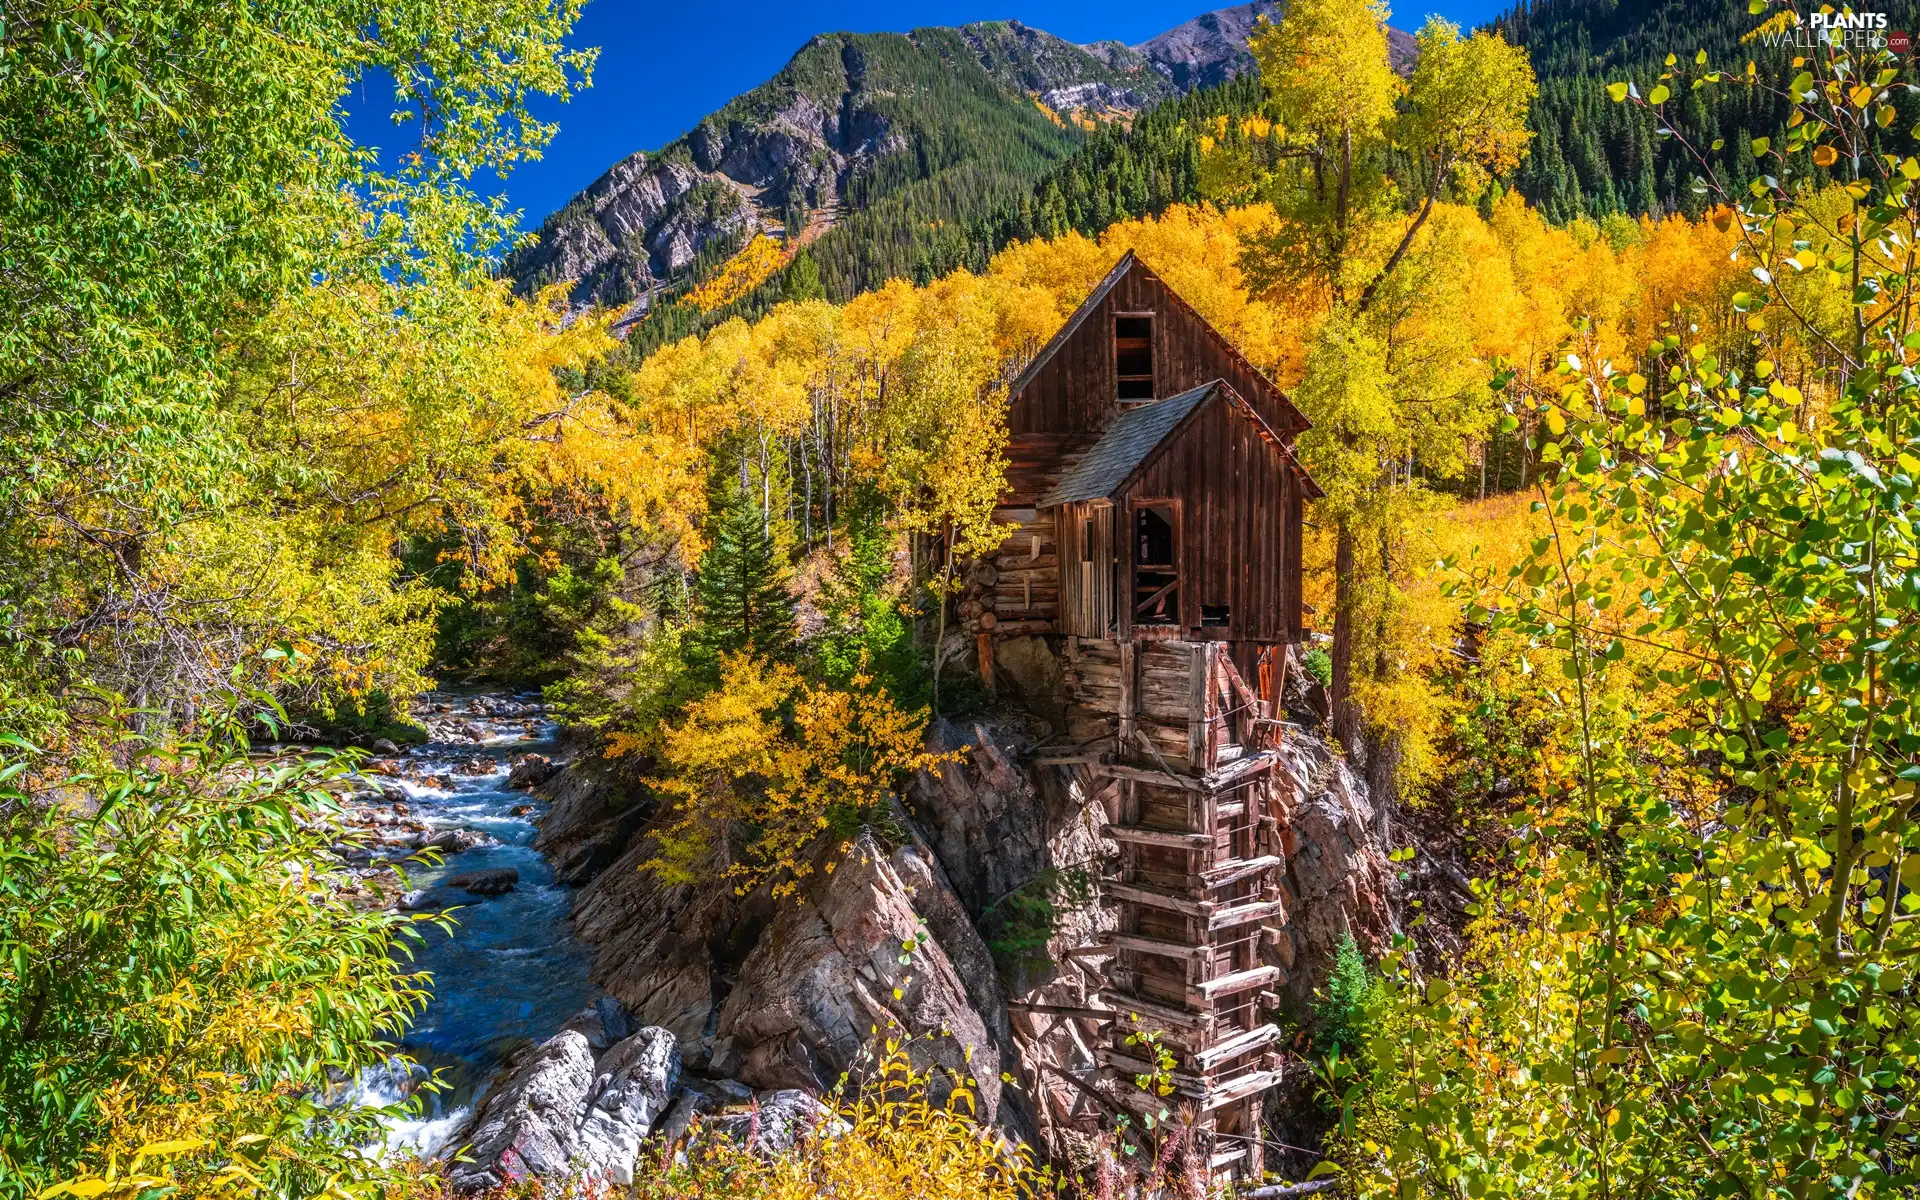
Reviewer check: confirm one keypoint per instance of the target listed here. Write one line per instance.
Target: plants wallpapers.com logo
(1851, 31)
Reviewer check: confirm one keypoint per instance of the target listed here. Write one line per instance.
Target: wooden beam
(1124, 1005)
(1067, 760)
(1245, 914)
(1167, 838)
(1165, 949)
(1234, 871)
(1129, 669)
(1239, 981)
(1291, 1191)
(1240, 1089)
(1199, 705)
(1240, 771)
(1063, 1010)
(1240, 1043)
(1152, 897)
(1149, 775)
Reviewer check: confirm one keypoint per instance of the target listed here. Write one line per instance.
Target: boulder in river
(431, 899)
(562, 1114)
(384, 746)
(488, 881)
(480, 764)
(456, 841)
(530, 771)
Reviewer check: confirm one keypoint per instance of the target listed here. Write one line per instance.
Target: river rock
(526, 1126)
(431, 899)
(385, 747)
(633, 1083)
(478, 765)
(563, 1115)
(488, 881)
(530, 771)
(457, 841)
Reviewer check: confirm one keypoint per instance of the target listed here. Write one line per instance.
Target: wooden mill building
(1157, 506)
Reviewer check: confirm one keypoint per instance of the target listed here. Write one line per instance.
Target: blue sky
(666, 63)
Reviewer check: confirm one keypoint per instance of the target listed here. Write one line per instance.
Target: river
(510, 972)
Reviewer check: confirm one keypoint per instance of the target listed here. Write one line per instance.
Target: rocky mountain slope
(1212, 48)
(937, 121)
(885, 145)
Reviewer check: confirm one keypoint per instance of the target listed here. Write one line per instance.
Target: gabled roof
(1123, 448)
(1060, 337)
(1126, 448)
(1127, 262)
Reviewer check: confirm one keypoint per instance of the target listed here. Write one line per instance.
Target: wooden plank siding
(1240, 528)
(1073, 391)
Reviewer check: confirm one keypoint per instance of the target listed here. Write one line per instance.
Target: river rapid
(509, 973)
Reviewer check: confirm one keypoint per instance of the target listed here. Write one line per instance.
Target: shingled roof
(1121, 449)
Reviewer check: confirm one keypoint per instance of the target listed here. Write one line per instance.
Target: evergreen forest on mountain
(1605, 330)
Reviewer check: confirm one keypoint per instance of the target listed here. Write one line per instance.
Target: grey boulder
(562, 1115)
(488, 881)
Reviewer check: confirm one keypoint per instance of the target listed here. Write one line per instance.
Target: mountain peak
(1212, 47)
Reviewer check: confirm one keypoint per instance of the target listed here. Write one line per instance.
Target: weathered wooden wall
(1239, 528)
(1073, 391)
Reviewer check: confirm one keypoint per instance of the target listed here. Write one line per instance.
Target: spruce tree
(741, 595)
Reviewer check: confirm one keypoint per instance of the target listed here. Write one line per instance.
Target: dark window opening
(1133, 357)
(1156, 571)
(1215, 615)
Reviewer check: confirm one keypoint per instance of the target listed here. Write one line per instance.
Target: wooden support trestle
(1198, 821)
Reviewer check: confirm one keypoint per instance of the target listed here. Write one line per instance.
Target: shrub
(892, 1141)
(1318, 665)
(179, 988)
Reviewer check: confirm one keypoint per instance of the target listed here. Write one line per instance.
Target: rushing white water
(509, 972)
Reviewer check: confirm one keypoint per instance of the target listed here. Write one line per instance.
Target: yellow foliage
(752, 266)
(891, 1139)
(736, 759)
(1326, 62)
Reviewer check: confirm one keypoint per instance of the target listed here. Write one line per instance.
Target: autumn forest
(400, 627)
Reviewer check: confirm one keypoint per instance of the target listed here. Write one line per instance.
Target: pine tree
(742, 597)
(803, 277)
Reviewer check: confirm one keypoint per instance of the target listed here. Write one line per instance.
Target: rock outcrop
(565, 1114)
(883, 939)
(1212, 48)
(594, 812)
(790, 994)
(876, 949)
(1339, 878)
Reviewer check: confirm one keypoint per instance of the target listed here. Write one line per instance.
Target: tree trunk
(940, 618)
(1346, 723)
(1383, 747)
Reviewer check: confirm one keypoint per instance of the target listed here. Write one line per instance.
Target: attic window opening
(1156, 558)
(1133, 357)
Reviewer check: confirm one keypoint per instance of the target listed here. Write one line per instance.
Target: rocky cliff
(957, 924)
